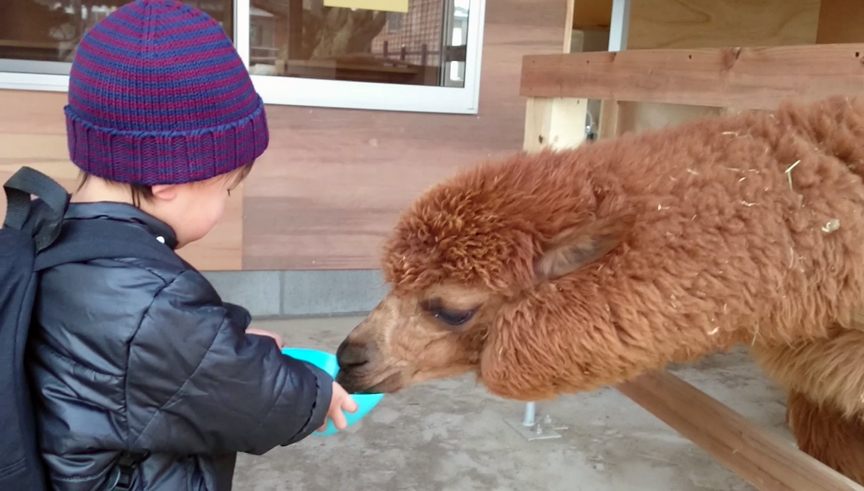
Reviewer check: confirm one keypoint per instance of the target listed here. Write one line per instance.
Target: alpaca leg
(828, 371)
(825, 382)
(825, 434)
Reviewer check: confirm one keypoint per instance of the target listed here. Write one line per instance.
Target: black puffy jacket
(136, 355)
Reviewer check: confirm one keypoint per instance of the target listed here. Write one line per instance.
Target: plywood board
(721, 23)
(709, 24)
(636, 117)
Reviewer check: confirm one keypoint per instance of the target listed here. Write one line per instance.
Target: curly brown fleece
(726, 241)
(708, 234)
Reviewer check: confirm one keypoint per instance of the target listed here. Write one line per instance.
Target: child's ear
(580, 245)
(164, 192)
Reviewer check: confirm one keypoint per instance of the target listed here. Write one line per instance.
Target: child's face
(191, 210)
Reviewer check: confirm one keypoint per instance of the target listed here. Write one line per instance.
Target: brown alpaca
(565, 272)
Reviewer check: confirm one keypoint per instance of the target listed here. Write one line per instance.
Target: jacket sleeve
(196, 383)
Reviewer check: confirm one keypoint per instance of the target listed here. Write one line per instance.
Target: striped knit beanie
(159, 95)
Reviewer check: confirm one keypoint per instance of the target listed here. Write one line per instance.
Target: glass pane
(425, 45)
(49, 30)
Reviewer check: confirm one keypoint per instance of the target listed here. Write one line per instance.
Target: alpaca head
(466, 263)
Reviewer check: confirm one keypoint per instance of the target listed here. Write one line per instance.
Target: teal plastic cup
(327, 362)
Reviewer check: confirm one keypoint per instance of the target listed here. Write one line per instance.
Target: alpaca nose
(353, 355)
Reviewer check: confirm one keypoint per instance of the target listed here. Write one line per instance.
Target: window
(409, 55)
(394, 22)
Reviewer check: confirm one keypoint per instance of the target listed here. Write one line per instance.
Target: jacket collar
(125, 213)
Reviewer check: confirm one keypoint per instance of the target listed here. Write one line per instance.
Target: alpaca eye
(450, 317)
(454, 317)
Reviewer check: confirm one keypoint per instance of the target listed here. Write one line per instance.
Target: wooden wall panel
(333, 183)
(32, 133)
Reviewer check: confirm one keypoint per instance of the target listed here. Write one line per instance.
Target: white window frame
(292, 91)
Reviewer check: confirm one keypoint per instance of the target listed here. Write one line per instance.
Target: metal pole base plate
(542, 429)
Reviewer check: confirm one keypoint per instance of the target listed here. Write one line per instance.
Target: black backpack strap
(86, 240)
(55, 199)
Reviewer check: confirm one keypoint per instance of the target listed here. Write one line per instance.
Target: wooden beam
(761, 459)
(755, 78)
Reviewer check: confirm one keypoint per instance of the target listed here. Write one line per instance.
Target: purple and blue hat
(159, 95)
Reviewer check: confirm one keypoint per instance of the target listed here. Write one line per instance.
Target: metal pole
(619, 25)
(530, 413)
(532, 428)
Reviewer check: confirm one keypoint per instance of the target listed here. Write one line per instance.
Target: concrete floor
(451, 436)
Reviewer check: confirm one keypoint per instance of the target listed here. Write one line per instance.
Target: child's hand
(262, 332)
(339, 402)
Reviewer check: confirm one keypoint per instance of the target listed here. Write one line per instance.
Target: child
(145, 379)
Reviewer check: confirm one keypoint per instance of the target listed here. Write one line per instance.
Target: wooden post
(556, 123)
(610, 115)
(610, 109)
(568, 25)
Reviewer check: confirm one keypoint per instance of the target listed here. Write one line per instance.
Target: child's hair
(141, 192)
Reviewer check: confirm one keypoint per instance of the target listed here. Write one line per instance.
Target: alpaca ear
(578, 246)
